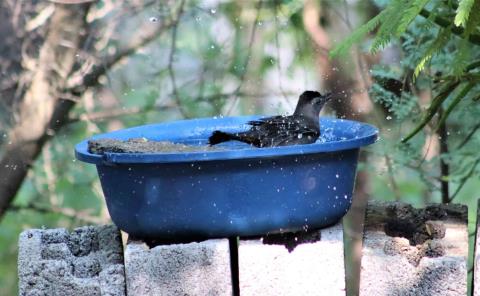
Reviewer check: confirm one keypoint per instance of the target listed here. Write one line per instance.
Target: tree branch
(67, 212)
(443, 22)
(247, 60)
(48, 99)
(469, 136)
(81, 81)
(38, 110)
(171, 72)
(464, 180)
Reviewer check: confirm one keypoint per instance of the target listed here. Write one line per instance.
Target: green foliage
(435, 46)
(359, 34)
(401, 105)
(210, 69)
(409, 14)
(435, 83)
(393, 24)
(463, 12)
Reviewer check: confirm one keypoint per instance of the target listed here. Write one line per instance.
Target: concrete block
(88, 261)
(179, 269)
(476, 262)
(408, 251)
(303, 263)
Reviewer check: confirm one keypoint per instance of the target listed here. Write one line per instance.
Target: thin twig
(106, 114)
(247, 60)
(464, 180)
(171, 72)
(469, 136)
(83, 80)
(435, 105)
(279, 66)
(67, 212)
(442, 22)
(392, 178)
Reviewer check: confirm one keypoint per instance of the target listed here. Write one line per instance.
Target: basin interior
(336, 134)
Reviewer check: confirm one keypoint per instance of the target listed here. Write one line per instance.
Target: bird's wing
(284, 124)
(281, 130)
(268, 120)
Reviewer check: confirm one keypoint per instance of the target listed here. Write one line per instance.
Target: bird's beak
(324, 98)
(327, 96)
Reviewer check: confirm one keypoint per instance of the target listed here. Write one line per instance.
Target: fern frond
(409, 15)
(462, 57)
(358, 35)
(473, 19)
(434, 47)
(387, 28)
(463, 12)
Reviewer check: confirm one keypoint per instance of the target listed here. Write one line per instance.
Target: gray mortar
(88, 261)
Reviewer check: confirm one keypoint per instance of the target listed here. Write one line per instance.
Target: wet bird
(302, 127)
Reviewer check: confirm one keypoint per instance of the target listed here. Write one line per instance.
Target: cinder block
(408, 251)
(309, 263)
(476, 271)
(179, 269)
(88, 261)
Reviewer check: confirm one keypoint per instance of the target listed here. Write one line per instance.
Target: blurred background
(68, 71)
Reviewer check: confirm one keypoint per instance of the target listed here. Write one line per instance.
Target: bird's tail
(220, 137)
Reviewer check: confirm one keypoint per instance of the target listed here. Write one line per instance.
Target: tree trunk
(351, 101)
(42, 108)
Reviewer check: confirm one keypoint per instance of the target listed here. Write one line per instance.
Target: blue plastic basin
(239, 190)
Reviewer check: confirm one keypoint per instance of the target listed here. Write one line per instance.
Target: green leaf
(433, 108)
(388, 27)
(436, 45)
(358, 35)
(462, 94)
(462, 57)
(473, 20)
(463, 12)
(409, 15)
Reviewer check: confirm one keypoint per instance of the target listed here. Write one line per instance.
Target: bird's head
(311, 102)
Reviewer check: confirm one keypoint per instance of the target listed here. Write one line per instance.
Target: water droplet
(213, 10)
(300, 136)
(153, 19)
(388, 117)
(337, 176)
